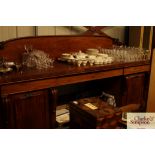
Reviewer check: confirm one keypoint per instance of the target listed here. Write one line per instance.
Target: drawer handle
(28, 95)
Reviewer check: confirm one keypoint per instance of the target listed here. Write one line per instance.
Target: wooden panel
(75, 30)
(53, 45)
(63, 30)
(151, 94)
(27, 110)
(23, 31)
(132, 70)
(146, 37)
(45, 30)
(117, 32)
(134, 36)
(7, 32)
(29, 86)
(135, 89)
(141, 36)
(1, 124)
(151, 38)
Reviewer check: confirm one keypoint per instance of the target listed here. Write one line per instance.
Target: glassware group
(127, 54)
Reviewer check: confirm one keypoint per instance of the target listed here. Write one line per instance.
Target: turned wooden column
(0, 110)
(151, 94)
(52, 107)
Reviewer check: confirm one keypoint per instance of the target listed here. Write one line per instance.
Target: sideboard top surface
(12, 50)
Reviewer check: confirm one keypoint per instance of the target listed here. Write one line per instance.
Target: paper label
(63, 118)
(141, 120)
(91, 106)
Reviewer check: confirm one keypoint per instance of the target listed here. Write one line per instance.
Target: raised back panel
(53, 45)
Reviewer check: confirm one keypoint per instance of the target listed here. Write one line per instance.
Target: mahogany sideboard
(28, 98)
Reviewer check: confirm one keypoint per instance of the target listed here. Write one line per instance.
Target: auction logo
(140, 120)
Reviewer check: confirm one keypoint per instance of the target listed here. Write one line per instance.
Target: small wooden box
(92, 113)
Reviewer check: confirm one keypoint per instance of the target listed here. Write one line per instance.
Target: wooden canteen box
(93, 112)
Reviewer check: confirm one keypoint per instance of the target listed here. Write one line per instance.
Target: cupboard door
(134, 93)
(1, 120)
(28, 110)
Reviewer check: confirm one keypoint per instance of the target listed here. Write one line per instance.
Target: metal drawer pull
(28, 95)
